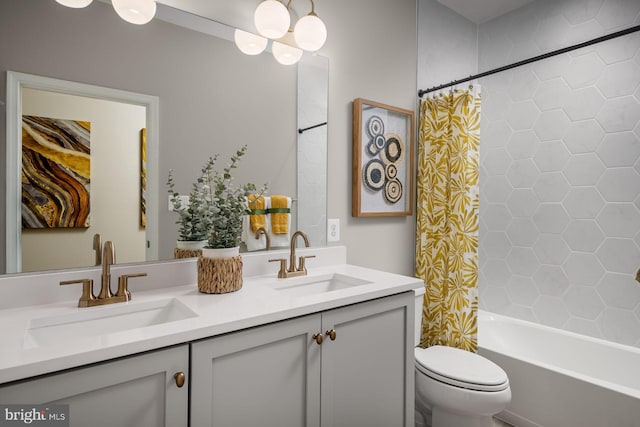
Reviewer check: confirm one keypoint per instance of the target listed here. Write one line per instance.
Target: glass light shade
(248, 43)
(284, 50)
(75, 3)
(135, 11)
(272, 19)
(310, 32)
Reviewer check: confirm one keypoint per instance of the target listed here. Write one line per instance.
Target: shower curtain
(447, 217)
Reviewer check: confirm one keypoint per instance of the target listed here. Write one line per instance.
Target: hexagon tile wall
(560, 169)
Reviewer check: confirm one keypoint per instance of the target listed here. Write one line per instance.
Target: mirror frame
(15, 82)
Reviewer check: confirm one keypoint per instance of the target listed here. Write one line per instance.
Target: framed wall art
(143, 178)
(383, 157)
(56, 173)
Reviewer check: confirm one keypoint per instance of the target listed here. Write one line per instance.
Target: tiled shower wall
(560, 169)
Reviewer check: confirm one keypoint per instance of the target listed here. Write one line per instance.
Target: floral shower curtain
(447, 217)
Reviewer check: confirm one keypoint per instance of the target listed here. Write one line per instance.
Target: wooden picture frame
(143, 178)
(383, 160)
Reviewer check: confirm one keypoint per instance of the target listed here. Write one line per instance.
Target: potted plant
(194, 216)
(229, 205)
(220, 267)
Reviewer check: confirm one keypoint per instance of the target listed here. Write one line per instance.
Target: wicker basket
(186, 253)
(219, 275)
(188, 248)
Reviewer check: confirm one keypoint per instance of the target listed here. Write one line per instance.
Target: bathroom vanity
(334, 348)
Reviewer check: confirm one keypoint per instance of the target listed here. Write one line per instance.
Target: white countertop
(257, 303)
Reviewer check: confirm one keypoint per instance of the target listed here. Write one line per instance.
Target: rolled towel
(249, 236)
(258, 207)
(280, 213)
(279, 221)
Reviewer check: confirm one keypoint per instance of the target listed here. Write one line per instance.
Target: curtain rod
(620, 33)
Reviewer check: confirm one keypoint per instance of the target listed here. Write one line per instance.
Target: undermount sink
(313, 285)
(91, 322)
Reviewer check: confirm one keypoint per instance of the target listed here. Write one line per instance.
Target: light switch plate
(333, 226)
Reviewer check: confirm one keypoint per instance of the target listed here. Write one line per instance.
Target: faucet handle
(87, 291)
(301, 266)
(282, 273)
(123, 285)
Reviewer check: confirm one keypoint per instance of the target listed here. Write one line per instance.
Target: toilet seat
(460, 368)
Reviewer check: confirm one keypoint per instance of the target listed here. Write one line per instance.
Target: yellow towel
(279, 215)
(257, 217)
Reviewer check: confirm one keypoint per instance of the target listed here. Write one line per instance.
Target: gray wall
(372, 47)
(447, 45)
(213, 99)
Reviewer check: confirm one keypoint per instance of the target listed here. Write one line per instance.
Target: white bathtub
(562, 379)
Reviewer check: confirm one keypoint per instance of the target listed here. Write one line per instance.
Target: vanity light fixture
(75, 3)
(135, 11)
(273, 21)
(285, 51)
(248, 43)
(310, 32)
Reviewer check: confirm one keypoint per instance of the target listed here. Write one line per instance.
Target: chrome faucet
(88, 299)
(293, 270)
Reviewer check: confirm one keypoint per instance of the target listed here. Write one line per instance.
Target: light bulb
(285, 51)
(75, 3)
(272, 19)
(310, 32)
(135, 11)
(248, 43)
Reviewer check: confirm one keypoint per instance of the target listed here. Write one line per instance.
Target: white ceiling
(480, 11)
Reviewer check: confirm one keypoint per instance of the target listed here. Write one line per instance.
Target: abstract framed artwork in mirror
(118, 117)
(211, 100)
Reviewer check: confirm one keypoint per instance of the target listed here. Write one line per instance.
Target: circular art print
(382, 159)
(393, 190)
(375, 126)
(374, 175)
(391, 171)
(393, 149)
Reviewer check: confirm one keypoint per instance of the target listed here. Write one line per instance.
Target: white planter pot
(221, 252)
(191, 245)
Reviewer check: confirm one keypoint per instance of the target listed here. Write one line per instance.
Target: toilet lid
(460, 368)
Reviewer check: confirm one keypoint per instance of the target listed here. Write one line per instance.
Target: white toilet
(458, 388)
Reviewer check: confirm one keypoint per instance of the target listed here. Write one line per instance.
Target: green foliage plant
(194, 216)
(229, 205)
(216, 205)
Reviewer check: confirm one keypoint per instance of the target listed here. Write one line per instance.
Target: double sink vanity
(332, 348)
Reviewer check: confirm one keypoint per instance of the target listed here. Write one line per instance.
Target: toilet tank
(417, 324)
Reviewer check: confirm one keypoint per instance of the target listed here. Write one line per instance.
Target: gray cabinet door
(367, 371)
(134, 391)
(268, 376)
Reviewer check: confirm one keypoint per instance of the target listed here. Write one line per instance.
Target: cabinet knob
(331, 333)
(318, 337)
(179, 377)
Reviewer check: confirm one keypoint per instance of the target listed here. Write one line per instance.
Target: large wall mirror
(194, 93)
